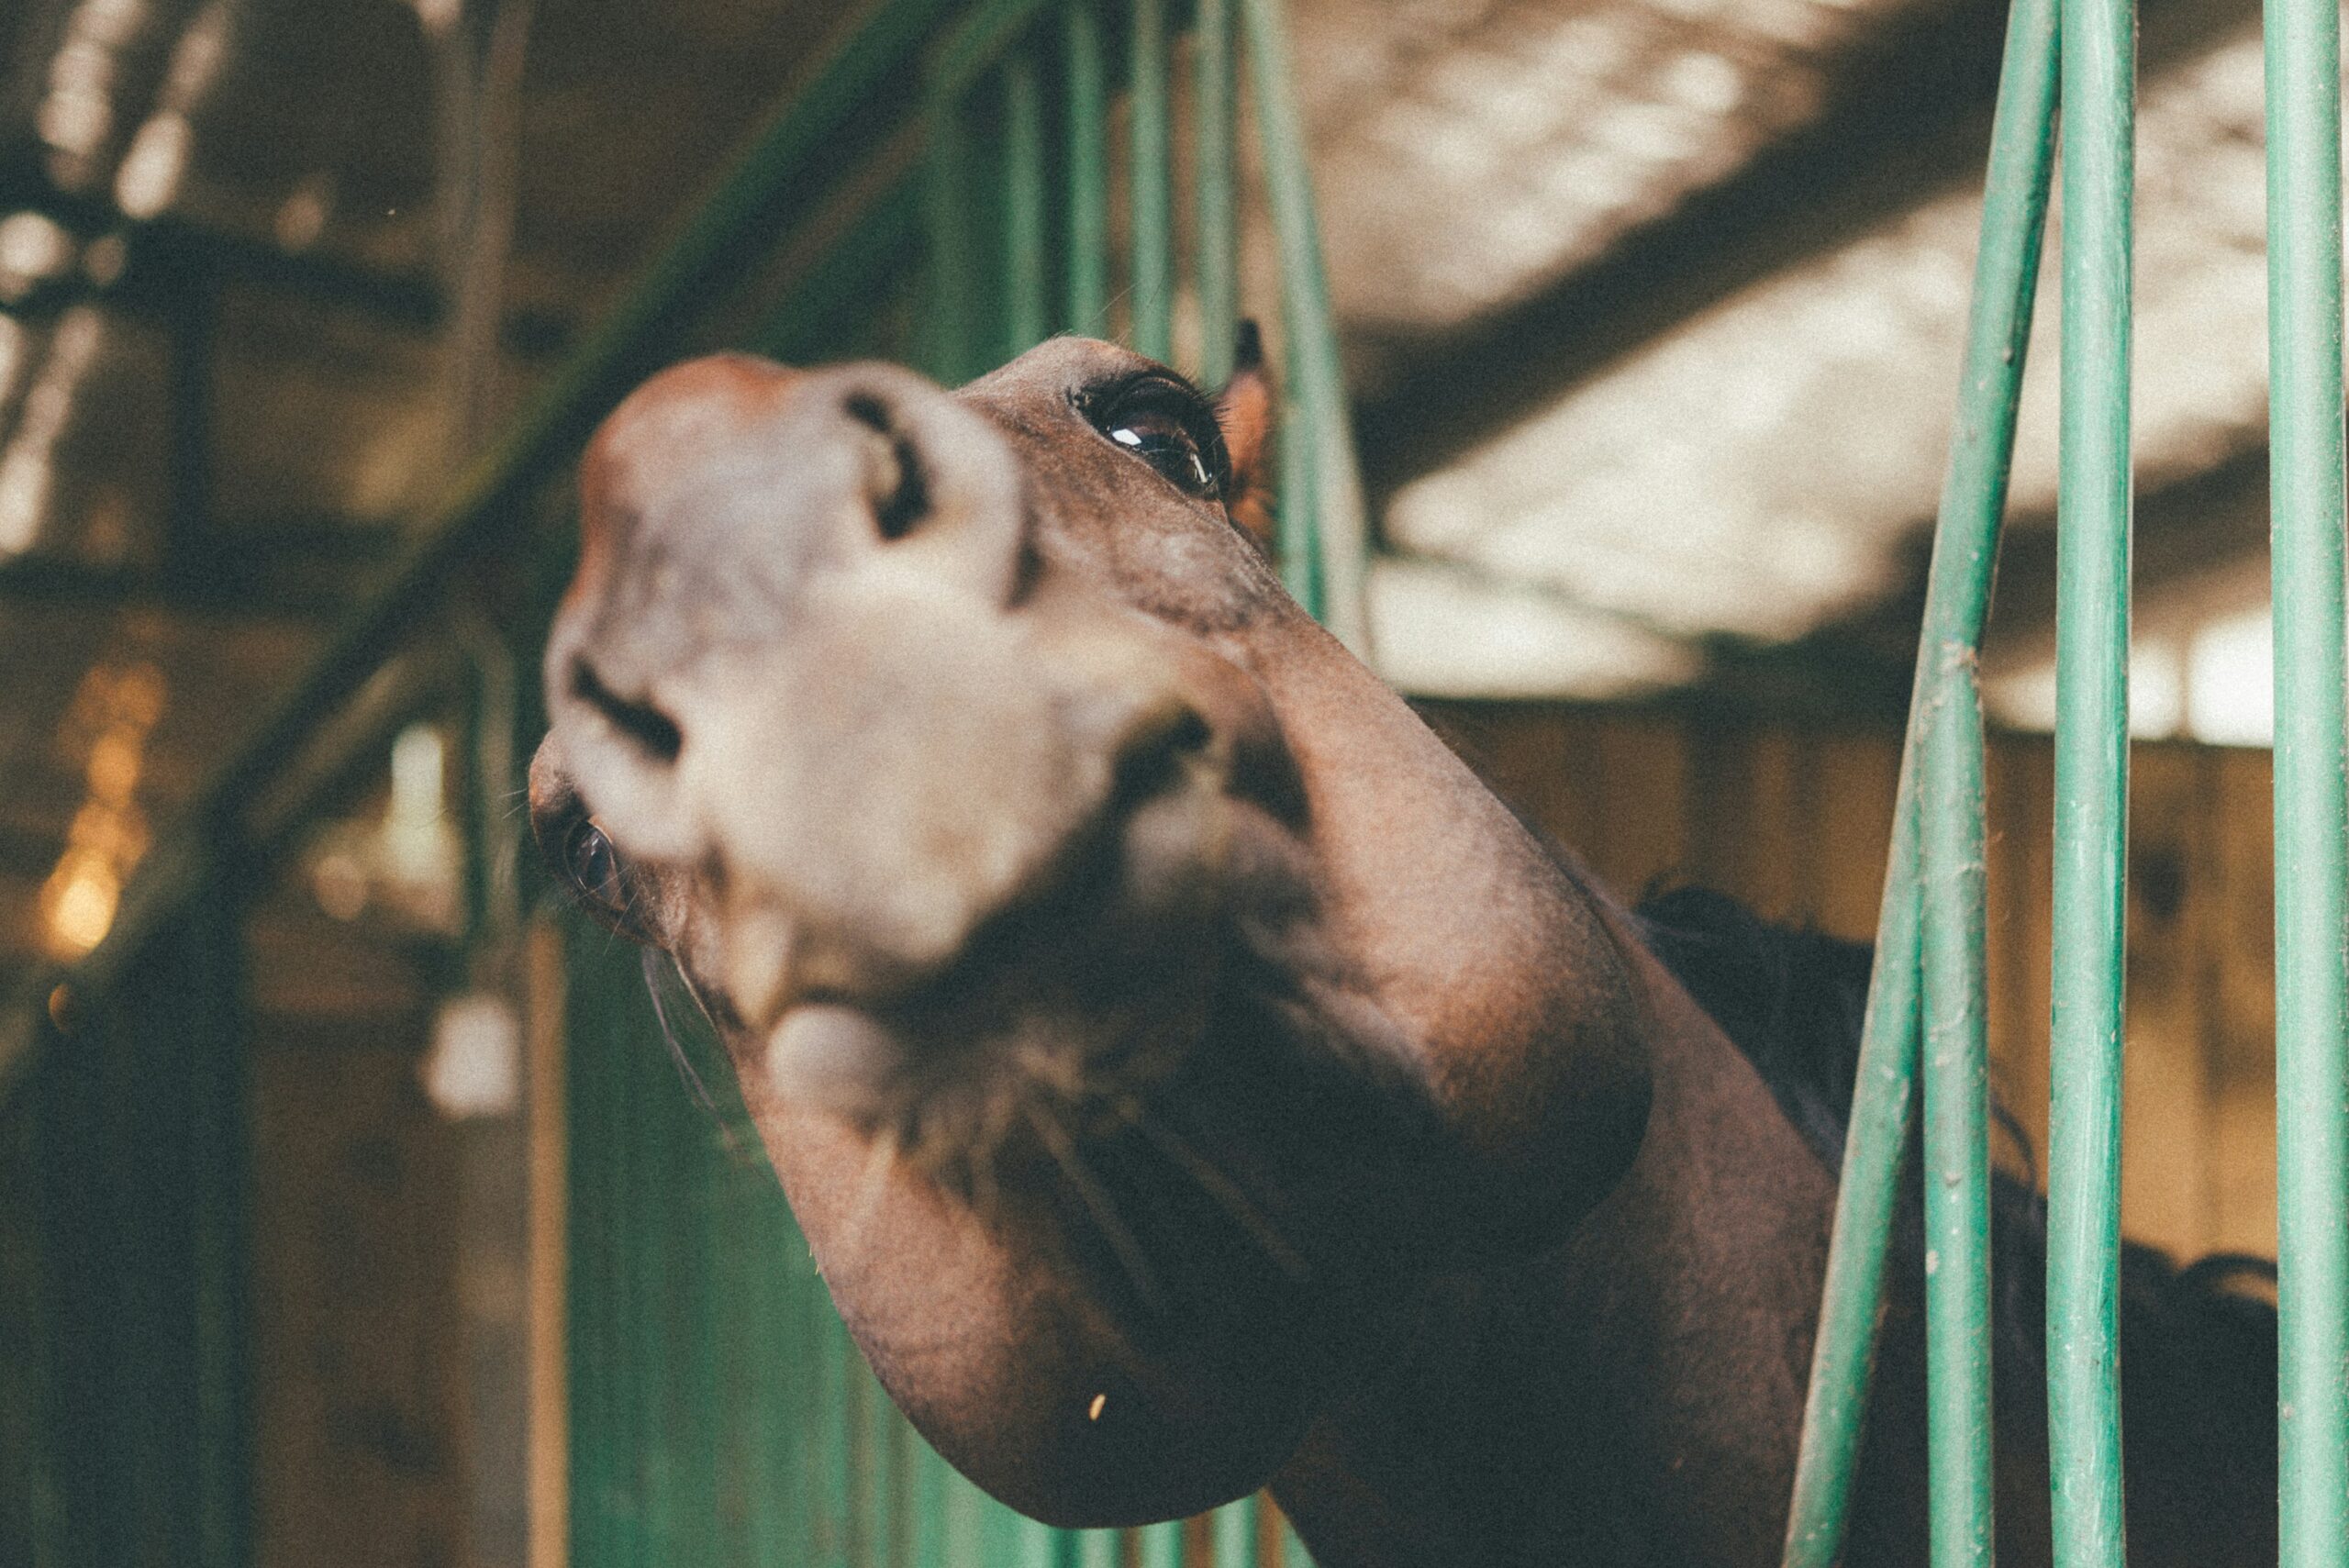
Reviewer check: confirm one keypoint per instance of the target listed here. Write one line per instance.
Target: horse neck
(1632, 1394)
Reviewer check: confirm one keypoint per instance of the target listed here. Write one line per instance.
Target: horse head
(1137, 1001)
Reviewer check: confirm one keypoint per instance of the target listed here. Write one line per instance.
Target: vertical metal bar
(2091, 787)
(1318, 376)
(841, 285)
(1957, 1118)
(966, 1526)
(1216, 229)
(950, 313)
(1958, 598)
(930, 1541)
(211, 1017)
(1098, 1549)
(1089, 169)
(1033, 1545)
(1026, 312)
(1149, 181)
(2304, 328)
(1293, 1552)
(1160, 1546)
(1234, 1536)
(1297, 523)
(825, 1438)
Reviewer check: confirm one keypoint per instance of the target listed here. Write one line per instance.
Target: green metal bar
(987, 31)
(1149, 182)
(1297, 532)
(1027, 316)
(1293, 1552)
(1033, 1545)
(2304, 260)
(1957, 1116)
(1338, 542)
(883, 234)
(964, 1529)
(1088, 109)
(1235, 1534)
(2091, 788)
(210, 1018)
(1160, 1546)
(868, 1446)
(951, 312)
(927, 1480)
(1973, 501)
(1100, 1549)
(1216, 238)
(828, 1440)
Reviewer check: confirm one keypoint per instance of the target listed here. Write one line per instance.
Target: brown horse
(1186, 1074)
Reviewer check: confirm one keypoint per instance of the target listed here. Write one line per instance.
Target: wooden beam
(1913, 120)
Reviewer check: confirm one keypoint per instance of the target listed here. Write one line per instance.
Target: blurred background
(344, 1240)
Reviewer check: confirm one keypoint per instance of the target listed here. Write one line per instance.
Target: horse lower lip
(831, 1055)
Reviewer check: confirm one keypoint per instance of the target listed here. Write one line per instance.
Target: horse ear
(1244, 411)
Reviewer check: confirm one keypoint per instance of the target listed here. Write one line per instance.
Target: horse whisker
(1217, 1185)
(869, 1187)
(652, 962)
(1096, 1202)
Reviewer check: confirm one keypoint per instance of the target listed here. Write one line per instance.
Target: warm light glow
(77, 904)
(33, 249)
(475, 1067)
(150, 172)
(113, 764)
(419, 850)
(116, 706)
(301, 217)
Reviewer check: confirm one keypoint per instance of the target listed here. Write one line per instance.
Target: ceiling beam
(1911, 120)
(285, 572)
(167, 258)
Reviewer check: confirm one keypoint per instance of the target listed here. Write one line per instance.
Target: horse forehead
(1055, 368)
(1038, 401)
(1105, 515)
(1039, 395)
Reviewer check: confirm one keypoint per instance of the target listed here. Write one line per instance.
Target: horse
(1188, 1076)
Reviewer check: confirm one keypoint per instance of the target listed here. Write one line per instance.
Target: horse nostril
(1151, 758)
(900, 493)
(654, 732)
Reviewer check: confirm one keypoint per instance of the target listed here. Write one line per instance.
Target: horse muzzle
(811, 660)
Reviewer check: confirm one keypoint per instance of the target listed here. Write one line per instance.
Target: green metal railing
(1928, 963)
(2311, 863)
(950, 181)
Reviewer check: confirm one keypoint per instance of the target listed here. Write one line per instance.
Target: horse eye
(1152, 429)
(594, 868)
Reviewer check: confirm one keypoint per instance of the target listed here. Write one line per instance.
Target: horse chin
(1060, 1013)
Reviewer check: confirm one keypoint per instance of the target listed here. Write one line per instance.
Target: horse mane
(1791, 999)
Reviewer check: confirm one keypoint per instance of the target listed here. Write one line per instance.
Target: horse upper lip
(759, 959)
(772, 963)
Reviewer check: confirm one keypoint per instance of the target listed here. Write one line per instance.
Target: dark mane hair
(1790, 998)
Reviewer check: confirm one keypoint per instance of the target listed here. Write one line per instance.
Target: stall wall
(1795, 821)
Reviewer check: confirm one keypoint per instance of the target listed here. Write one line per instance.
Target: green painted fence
(1929, 960)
